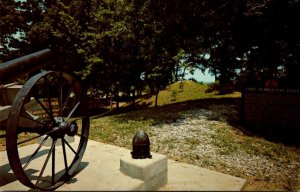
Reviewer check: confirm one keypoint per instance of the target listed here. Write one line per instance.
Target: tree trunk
(117, 99)
(183, 73)
(111, 102)
(176, 73)
(133, 97)
(156, 97)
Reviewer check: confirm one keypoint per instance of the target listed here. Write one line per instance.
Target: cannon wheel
(49, 107)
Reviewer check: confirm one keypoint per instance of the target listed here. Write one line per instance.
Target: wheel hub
(63, 128)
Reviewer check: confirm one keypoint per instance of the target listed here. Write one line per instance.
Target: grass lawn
(2, 140)
(185, 91)
(172, 101)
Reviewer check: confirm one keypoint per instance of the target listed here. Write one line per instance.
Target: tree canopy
(117, 44)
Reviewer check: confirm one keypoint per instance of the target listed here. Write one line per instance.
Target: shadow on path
(6, 177)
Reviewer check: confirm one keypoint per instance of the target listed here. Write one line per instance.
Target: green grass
(185, 91)
(116, 129)
(172, 101)
(2, 140)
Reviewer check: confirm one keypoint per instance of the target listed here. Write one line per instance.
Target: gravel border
(203, 137)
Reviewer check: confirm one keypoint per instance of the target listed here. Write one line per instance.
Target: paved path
(99, 170)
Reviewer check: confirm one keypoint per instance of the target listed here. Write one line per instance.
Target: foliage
(117, 45)
(273, 39)
(11, 20)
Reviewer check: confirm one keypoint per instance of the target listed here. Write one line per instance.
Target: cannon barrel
(13, 69)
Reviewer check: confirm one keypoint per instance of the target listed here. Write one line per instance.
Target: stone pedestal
(153, 172)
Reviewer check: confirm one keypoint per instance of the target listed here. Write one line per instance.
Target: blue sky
(200, 77)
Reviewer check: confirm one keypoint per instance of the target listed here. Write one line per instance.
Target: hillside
(184, 91)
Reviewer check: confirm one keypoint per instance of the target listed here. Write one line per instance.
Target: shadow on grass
(170, 113)
(285, 135)
(222, 90)
(167, 113)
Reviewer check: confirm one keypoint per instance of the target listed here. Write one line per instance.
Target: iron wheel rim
(16, 115)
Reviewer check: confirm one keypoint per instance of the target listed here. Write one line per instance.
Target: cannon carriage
(48, 108)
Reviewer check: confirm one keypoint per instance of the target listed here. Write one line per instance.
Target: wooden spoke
(35, 152)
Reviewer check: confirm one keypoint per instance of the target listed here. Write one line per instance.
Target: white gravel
(203, 137)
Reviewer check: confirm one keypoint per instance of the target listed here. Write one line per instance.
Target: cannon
(49, 106)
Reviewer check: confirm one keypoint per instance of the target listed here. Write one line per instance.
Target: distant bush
(193, 79)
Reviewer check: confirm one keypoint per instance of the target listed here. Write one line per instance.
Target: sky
(200, 77)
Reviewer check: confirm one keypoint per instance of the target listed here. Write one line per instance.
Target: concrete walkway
(100, 171)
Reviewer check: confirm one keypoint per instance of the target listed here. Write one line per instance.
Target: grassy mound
(184, 91)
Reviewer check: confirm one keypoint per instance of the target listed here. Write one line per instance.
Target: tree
(11, 32)
(111, 43)
(279, 39)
